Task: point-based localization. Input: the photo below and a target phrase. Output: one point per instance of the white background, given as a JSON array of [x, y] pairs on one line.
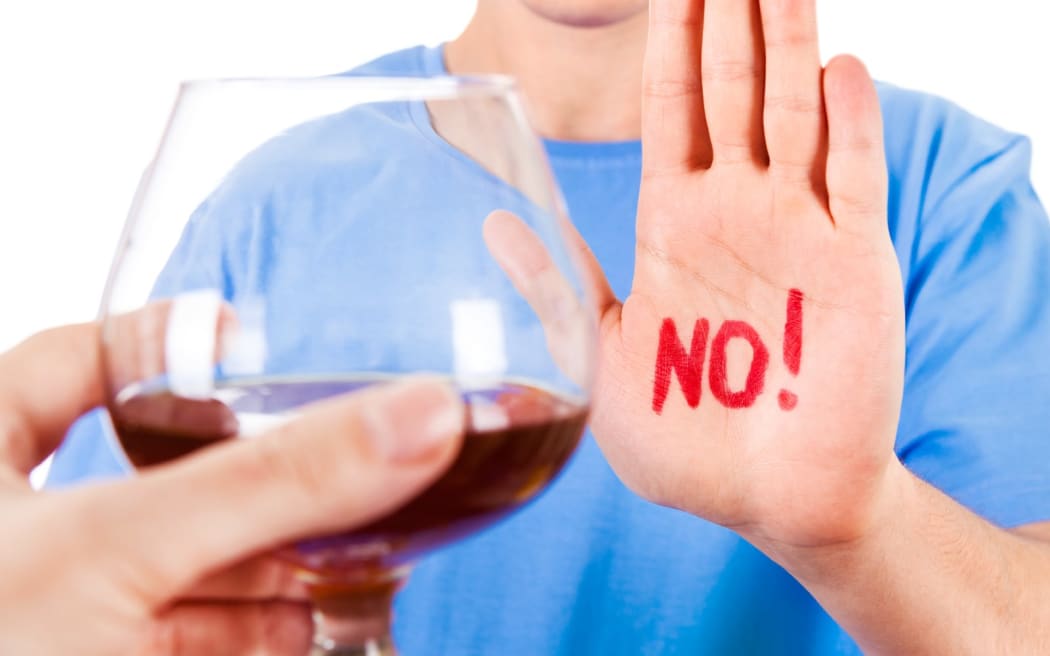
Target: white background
[[85, 87]]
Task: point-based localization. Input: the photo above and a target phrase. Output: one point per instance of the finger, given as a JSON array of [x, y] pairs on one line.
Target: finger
[[857, 178], [794, 108], [168, 336], [528, 258], [219, 629], [54, 377], [523, 256], [341, 463], [733, 79], [674, 131], [265, 578], [46, 382], [525, 259], [601, 294]]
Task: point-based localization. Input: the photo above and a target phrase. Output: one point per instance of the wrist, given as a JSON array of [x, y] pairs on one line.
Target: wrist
[[867, 533]]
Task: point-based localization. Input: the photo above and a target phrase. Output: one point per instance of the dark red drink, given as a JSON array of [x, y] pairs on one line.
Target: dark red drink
[[519, 437]]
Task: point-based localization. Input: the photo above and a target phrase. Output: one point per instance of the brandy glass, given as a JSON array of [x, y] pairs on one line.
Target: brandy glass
[[300, 239]]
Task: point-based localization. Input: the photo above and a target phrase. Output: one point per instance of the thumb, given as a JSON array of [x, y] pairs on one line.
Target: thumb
[[856, 167], [342, 463]]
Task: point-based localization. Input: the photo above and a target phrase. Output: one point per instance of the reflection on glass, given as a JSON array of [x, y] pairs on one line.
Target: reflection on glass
[[296, 240]]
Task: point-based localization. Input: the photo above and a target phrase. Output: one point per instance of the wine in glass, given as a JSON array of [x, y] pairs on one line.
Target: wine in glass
[[301, 239]]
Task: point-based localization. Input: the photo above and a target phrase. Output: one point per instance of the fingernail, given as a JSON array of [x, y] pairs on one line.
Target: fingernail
[[410, 421]]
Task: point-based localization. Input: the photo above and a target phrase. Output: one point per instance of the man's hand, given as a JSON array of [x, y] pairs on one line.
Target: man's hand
[[753, 376], [169, 562]]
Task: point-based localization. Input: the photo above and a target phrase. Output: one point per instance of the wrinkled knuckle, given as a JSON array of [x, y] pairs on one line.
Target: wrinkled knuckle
[[794, 104], [676, 15], [730, 71], [856, 145], [667, 20], [265, 624], [280, 578], [281, 628], [733, 153], [847, 204], [671, 89], [793, 36], [306, 472], [795, 174], [15, 437], [163, 637], [788, 9]]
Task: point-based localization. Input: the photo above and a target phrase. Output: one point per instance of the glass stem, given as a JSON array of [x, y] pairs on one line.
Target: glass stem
[[354, 619]]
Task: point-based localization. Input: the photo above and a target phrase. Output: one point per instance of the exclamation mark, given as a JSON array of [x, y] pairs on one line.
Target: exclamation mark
[[792, 346]]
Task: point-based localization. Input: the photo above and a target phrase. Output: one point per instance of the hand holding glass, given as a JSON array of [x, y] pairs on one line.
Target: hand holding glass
[[305, 239]]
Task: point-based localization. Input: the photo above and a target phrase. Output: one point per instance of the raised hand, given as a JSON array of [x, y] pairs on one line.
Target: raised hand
[[753, 376], [767, 300]]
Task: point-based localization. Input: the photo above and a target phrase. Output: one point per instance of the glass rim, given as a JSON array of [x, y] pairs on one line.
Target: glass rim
[[439, 86]]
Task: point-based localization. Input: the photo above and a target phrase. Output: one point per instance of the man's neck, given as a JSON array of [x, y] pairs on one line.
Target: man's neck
[[580, 84]]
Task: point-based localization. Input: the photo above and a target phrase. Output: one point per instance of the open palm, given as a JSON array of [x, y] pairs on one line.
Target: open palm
[[753, 377]]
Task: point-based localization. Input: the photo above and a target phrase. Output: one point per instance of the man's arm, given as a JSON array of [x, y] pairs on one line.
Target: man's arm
[[767, 227], [762, 224], [931, 577]]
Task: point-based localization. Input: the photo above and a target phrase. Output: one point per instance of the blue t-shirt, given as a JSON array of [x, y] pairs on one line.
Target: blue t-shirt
[[589, 568]]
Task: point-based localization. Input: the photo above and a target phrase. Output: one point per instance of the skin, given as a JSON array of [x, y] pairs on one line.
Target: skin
[[762, 172], [168, 562]]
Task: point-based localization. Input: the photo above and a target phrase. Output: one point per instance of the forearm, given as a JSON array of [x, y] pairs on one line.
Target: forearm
[[931, 578]]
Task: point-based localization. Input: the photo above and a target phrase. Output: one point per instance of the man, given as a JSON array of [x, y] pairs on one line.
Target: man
[[855, 502]]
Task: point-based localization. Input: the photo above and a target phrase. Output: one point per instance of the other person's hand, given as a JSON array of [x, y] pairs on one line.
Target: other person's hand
[[172, 561]]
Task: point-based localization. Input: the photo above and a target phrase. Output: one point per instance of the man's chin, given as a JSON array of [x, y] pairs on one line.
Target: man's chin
[[587, 13]]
